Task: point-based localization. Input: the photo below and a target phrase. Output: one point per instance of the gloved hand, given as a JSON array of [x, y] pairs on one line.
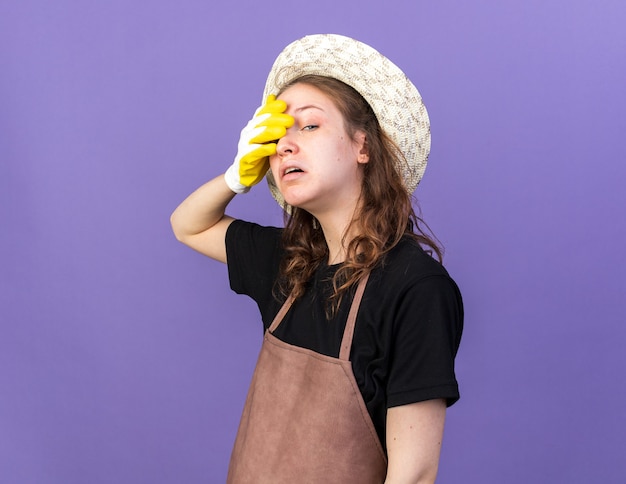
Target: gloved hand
[[256, 143]]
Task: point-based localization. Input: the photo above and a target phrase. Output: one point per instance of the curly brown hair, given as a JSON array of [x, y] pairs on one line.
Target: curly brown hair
[[385, 213]]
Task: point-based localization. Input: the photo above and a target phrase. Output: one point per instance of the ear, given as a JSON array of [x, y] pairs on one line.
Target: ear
[[361, 142]]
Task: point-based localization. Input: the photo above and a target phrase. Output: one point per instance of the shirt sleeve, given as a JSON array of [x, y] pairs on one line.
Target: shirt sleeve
[[253, 256], [426, 336]]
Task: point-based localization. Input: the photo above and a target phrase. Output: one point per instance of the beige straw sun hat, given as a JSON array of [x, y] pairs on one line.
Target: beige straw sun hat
[[392, 96]]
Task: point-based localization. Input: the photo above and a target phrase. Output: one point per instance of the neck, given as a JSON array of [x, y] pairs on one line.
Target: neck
[[338, 232], [338, 222]]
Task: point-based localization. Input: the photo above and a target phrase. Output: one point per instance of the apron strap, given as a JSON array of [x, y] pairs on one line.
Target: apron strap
[[348, 333], [281, 314], [346, 342]]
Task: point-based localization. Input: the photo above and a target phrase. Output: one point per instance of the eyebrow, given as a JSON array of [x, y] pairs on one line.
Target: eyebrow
[[308, 106]]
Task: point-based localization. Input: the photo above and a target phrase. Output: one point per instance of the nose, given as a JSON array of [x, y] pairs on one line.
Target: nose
[[286, 145]]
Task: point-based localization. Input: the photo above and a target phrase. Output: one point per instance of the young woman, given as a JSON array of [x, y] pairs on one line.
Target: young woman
[[362, 324]]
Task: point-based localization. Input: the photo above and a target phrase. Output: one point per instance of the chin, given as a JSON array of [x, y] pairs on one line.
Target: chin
[[298, 200], [296, 204]]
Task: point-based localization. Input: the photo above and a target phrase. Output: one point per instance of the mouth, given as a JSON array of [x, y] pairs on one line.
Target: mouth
[[292, 170]]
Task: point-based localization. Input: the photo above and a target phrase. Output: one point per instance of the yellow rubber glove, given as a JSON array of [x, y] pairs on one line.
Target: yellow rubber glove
[[256, 143]]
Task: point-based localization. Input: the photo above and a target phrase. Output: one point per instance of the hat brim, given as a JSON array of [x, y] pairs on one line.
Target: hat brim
[[394, 99]]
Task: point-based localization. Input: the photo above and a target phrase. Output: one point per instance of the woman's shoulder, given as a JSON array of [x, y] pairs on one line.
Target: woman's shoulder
[[245, 239], [411, 261], [239, 226], [410, 275], [243, 233], [408, 270]]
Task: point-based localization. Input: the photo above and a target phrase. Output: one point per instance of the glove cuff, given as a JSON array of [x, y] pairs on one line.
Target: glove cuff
[[232, 180]]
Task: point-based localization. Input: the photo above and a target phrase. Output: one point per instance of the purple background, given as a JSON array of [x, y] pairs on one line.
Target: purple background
[[124, 356]]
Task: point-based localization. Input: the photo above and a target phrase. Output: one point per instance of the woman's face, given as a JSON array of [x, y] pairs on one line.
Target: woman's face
[[317, 166]]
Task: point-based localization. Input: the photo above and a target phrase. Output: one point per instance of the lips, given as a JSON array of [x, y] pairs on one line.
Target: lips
[[291, 171]]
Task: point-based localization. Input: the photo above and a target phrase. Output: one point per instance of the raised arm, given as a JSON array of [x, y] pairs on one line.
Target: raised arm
[[199, 221]]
